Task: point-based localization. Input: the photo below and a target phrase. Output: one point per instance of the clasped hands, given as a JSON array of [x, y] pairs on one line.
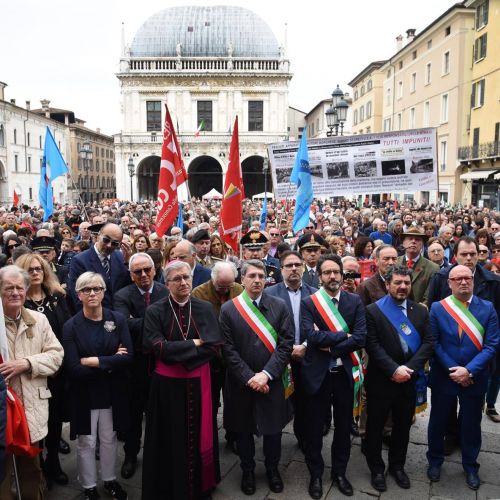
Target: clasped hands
[[402, 374], [461, 376], [259, 383]]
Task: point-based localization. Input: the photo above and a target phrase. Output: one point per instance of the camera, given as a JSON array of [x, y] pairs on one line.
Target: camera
[[351, 276]]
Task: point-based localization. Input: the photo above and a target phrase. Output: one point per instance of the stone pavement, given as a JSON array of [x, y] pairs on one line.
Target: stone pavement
[[296, 477]]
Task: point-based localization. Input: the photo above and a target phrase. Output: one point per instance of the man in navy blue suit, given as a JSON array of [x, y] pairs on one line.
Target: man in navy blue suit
[[292, 290], [334, 325], [186, 251], [103, 258], [465, 329]]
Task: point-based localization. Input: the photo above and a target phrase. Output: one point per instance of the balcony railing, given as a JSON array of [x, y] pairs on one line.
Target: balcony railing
[[201, 64], [203, 138], [483, 151]]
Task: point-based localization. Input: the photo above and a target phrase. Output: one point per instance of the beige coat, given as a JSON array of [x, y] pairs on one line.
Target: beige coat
[[36, 342]]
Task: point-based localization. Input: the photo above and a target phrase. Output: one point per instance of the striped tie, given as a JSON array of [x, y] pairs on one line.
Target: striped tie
[[105, 265]]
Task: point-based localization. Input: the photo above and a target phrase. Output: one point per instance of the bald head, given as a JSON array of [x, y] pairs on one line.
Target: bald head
[[461, 282]]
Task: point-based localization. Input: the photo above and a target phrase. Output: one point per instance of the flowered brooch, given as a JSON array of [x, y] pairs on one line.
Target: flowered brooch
[[109, 326]]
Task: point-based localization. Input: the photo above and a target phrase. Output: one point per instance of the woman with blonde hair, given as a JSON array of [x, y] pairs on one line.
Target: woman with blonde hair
[[48, 297], [168, 253]]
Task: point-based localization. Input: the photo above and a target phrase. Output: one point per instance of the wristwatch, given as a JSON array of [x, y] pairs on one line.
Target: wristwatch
[[470, 374]]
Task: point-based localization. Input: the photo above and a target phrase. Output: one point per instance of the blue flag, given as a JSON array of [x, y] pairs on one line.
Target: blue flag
[[263, 214], [53, 166], [179, 219], [301, 175]]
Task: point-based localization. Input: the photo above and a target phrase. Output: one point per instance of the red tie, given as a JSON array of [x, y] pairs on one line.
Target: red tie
[[147, 298], [409, 264]]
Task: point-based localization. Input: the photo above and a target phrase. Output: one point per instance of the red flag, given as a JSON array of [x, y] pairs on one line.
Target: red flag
[[168, 203], [180, 171], [231, 215], [15, 199]]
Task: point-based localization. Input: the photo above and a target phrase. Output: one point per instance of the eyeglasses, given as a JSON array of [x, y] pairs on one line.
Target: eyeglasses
[[14, 246], [179, 279], [107, 240], [467, 279], [330, 272], [65, 231], [309, 227], [145, 270], [192, 222], [290, 265], [132, 227], [89, 289], [33, 270], [274, 234], [483, 251]]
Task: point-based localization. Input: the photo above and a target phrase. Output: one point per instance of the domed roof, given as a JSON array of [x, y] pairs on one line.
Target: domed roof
[[213, 31]]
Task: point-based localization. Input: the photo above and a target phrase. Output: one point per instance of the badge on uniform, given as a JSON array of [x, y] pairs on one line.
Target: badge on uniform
[[405, 328]]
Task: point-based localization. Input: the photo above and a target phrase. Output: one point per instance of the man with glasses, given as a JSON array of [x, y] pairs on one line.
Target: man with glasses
[[259, 336], [292, 290], [465, 329], [334, 325], [132, 301], [274, 241], [435, 253], [103, 258]]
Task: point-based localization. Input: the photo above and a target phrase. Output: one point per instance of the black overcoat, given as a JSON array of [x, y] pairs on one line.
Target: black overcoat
[[246, 410]]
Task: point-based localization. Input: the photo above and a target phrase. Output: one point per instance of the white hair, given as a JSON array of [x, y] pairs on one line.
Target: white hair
[[136, 256], [223, 266]]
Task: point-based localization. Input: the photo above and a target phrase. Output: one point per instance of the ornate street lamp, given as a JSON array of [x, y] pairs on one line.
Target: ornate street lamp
[[131, 172], [336, 114], [86, 157]]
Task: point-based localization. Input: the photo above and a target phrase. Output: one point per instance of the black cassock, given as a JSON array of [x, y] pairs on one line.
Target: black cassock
[[173, 466]]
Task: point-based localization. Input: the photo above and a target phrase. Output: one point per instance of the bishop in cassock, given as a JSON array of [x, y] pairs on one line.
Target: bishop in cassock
[[180, 447]]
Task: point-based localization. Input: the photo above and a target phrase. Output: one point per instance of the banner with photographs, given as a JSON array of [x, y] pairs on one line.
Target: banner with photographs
[[390, 162]]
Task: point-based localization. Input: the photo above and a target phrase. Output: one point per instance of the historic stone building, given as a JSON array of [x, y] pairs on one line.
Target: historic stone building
[[209, 65]]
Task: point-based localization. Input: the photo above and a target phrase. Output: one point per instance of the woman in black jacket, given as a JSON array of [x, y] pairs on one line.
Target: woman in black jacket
[[47, 296], [98, 351]]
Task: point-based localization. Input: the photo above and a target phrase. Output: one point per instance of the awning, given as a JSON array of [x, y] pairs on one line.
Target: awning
[[477, 174]]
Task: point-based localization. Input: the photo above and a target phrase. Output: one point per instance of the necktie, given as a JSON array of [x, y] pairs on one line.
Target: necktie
[[335, 302], [147, 298], [254, 302], [105, 265], [312, 273], [409, 264]]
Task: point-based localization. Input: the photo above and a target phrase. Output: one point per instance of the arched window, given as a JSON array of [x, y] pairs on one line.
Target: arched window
[[368, 109], [15, 136], [91, 183], [2, 136], [355, 95], [362, 90], [97, 167]]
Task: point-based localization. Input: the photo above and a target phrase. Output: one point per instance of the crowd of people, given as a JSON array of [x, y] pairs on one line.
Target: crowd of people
[[109, 326]]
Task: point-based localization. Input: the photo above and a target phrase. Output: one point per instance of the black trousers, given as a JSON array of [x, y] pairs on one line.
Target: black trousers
[[139, 390], [246, 450], [298, 399], [381, 401], [336, 389], [56, 416]]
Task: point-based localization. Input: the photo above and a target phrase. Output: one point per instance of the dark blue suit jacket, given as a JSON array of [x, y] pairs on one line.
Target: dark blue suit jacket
[[201, 275], [89, 261], [316, 362], [451, 350], [279, 290]]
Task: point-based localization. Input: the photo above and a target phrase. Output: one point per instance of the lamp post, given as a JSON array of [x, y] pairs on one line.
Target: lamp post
[[86, 157], [336, 114], [131, 172]]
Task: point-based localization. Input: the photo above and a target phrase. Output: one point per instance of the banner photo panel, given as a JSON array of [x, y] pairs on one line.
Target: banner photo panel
[[389, 162]]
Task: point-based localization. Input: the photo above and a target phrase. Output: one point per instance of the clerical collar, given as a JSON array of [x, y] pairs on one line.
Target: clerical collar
[[181, 304]]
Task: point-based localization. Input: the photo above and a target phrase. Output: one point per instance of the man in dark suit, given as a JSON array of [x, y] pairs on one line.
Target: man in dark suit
[[292, 290], [132, 302], [104, 259], [399, 342], [186, 251], [309, 246], [259, 335], [465, 330], [334, 325]]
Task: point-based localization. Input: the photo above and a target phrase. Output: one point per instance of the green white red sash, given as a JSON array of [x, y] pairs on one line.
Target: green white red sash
[[465, 319], [336, 323], [264, 330]]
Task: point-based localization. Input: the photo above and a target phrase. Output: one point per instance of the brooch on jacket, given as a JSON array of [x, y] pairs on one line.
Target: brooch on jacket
[[109, 326]]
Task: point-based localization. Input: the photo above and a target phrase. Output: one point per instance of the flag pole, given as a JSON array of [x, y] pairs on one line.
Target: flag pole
[[79, 194]]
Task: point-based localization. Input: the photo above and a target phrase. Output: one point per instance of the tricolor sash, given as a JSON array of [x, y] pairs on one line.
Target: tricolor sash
[[465, 319], [336, 323], [264, 330]]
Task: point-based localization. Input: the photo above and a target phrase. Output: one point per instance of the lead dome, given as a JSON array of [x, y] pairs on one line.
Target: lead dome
[[205, 32]]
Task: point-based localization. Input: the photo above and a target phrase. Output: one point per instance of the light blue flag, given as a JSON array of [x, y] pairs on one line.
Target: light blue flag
[[263, 214], [179, 219], [53, 166], [301, 175]]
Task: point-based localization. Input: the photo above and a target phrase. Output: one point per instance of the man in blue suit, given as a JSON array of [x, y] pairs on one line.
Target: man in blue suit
[[292, 290], [186, 251], [465, 329], [103, 258], [334, 325]]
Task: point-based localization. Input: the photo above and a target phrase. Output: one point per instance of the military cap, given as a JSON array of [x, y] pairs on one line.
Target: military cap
[[43, 244], [311, 240], [254, 240], [95, 228], [200, 235]]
